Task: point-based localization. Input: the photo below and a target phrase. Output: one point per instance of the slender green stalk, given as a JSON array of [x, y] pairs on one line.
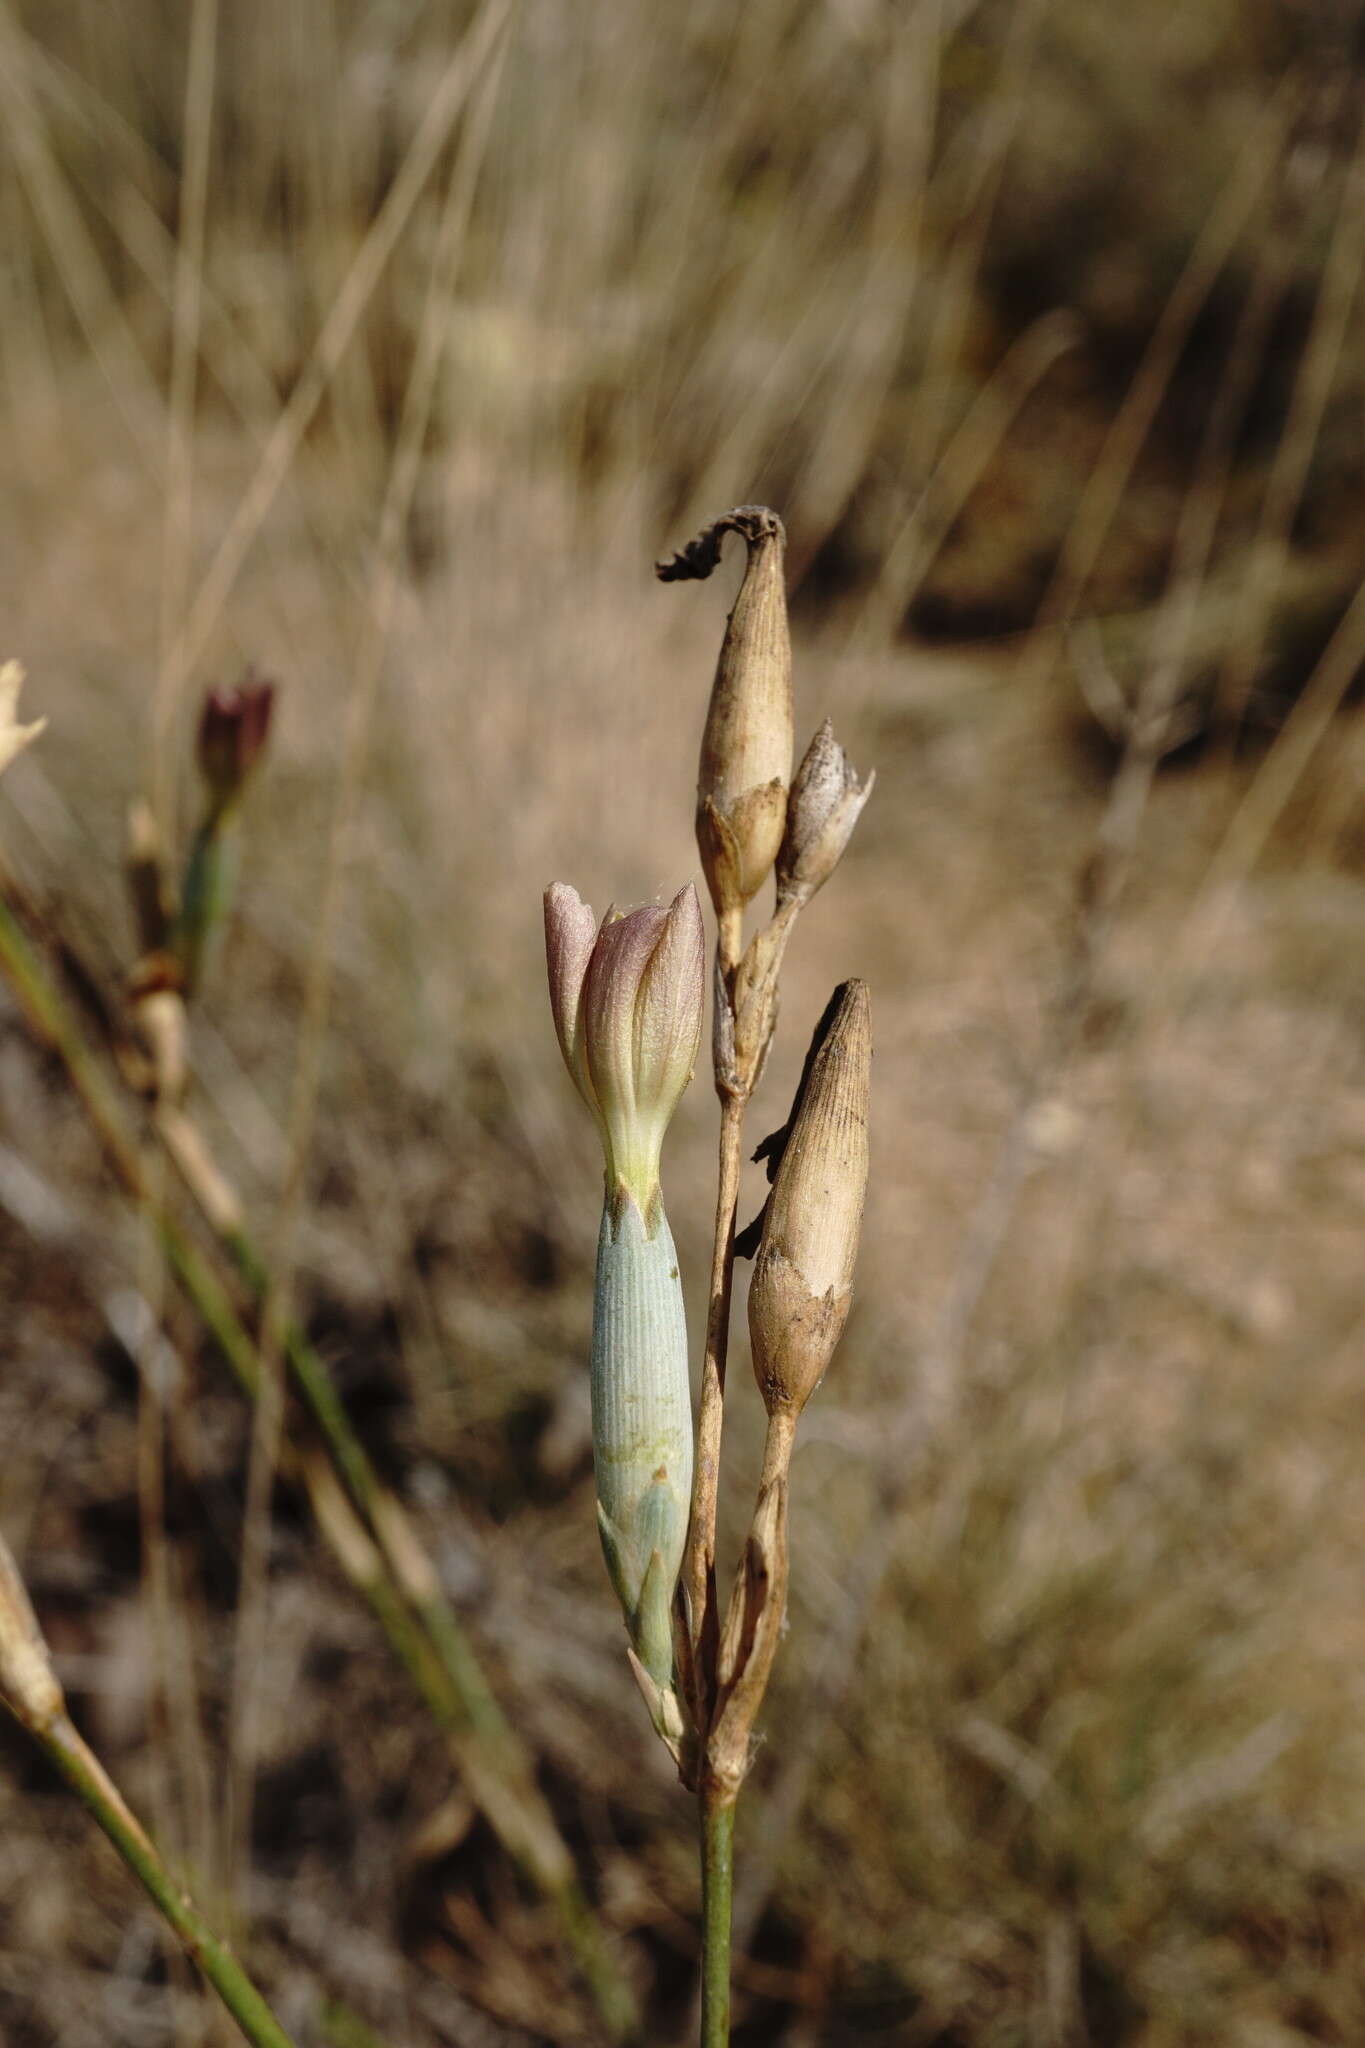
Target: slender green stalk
[[86, 1775], [717, 1886]]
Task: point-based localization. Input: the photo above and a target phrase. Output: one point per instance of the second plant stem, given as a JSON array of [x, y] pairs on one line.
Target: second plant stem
[[86, 1775]]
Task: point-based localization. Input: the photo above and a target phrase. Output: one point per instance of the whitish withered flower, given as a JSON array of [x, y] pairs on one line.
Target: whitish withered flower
[[803, 1275], [746, 749], [824, 806], [13, 736], [627, 1002]]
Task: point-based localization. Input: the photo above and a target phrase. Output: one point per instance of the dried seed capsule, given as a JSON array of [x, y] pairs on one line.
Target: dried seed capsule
[[824, 806], [746, 750], [803, 1276]]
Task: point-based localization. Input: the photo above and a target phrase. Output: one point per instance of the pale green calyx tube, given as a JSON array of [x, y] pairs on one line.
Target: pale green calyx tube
[[641, 1424], [627, 1004]]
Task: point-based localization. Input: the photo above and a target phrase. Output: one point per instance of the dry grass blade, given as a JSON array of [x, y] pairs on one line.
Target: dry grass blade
[[447, 104]]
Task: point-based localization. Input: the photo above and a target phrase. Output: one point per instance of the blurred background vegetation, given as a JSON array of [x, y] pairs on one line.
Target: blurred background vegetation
[[383, 344]]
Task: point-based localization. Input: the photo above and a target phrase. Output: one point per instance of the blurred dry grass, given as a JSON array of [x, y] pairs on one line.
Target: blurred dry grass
[[1065, 1745]]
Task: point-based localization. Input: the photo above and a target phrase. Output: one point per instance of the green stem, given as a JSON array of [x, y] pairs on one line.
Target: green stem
[[88, 1779], [207, 890], [717, 1886]]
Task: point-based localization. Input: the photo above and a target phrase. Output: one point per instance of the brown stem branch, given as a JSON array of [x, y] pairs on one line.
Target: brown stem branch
[[700, 1563]]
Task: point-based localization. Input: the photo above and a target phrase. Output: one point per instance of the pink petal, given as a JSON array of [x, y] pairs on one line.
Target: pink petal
[[570, 929]]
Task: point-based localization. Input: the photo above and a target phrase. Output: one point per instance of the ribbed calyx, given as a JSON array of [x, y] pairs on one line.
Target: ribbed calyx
[[627, 1002], [641, 1424], [803, 1275]]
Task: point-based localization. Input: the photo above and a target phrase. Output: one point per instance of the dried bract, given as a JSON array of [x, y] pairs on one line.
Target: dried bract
[[825, 803], [803, 1276]]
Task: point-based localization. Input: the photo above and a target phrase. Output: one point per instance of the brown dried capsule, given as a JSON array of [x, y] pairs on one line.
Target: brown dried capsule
[[746, 749], [803, 1276], [824, 806]]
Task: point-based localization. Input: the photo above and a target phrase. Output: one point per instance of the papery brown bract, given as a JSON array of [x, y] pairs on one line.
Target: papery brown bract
[[824, 805], [803, 1275]]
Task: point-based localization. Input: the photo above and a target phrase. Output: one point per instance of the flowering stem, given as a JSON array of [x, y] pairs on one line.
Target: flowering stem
[[701, 1551], [717, 1884]]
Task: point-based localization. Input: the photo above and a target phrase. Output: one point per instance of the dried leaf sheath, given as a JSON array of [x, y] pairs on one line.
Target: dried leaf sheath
[[803, 1276]]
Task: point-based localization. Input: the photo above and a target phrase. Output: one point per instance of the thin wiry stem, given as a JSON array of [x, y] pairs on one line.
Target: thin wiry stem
[[66, 1749]]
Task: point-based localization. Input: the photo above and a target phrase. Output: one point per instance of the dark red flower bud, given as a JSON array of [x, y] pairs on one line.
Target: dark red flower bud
[[232, 735]]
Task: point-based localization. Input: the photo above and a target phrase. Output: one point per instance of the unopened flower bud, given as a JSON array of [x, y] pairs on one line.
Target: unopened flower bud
[[746, 750], [803, 1276], [233, 729], [627, 1002], [13, 736], [825, 802]]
